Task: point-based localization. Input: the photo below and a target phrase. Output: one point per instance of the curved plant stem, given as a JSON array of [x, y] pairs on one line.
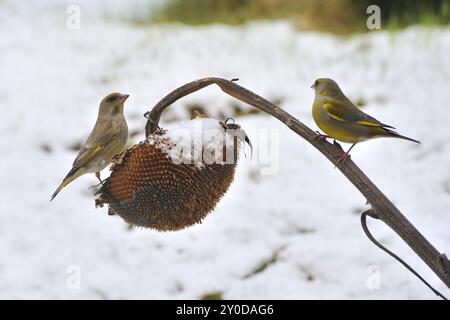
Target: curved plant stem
[[382, 207]]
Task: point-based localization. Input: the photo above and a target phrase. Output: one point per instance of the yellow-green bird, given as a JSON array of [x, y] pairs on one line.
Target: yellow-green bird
[[107, 139], [341, 120]]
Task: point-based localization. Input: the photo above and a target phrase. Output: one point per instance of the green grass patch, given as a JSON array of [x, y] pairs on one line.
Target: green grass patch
[[336, 16], [215, 295]]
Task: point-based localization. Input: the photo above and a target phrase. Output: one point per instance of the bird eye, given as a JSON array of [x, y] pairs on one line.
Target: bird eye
[[113, 99], [316, 83]]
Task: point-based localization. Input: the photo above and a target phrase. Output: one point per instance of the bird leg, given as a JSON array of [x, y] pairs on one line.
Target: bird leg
[[97, 174], [345, 156], [320, 136]]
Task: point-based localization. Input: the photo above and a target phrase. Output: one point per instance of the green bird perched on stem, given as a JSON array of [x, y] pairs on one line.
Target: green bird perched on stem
[[107, 139], [341, 120]]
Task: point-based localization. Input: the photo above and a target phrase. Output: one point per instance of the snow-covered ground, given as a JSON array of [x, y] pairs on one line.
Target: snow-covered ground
[[291, 234]]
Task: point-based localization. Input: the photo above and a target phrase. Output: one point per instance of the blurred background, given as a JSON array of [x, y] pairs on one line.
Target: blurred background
[[293, 234]]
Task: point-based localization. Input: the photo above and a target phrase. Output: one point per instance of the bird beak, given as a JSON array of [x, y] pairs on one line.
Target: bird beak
[[124, 97], [312, 87]]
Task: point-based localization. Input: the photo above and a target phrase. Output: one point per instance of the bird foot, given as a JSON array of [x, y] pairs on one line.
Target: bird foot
[[342, 158], [98, 184], [97, 175]]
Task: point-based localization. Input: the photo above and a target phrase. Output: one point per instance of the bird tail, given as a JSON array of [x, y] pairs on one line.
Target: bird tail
[[394, 134], [72, 175]]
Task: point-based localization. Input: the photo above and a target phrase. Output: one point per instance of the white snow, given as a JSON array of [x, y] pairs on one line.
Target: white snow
[[305, 214], [198, 141]]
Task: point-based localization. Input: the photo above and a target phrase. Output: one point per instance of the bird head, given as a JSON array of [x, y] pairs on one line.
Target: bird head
[[112, 104], [326, 86]]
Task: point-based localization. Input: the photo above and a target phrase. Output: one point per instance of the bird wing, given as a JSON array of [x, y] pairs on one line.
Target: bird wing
[[87, 153], [347, 112]]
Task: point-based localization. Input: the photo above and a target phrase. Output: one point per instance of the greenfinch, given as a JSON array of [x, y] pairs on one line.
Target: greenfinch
[[341, 120], [107, 139]]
